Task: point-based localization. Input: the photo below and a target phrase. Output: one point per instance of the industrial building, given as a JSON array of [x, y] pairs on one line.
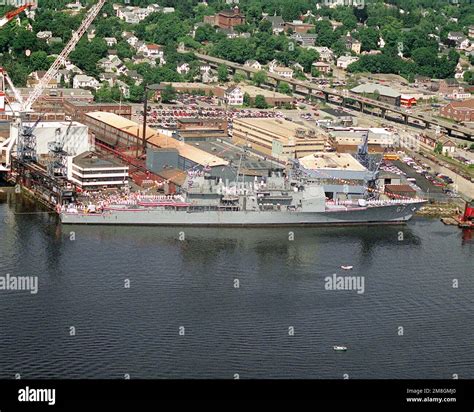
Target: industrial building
[[73, 135], [201, 129], [50, 106], [342, 176], [121, 134], [76, 109], [378, 92], [279, 138], [347, 139], [272, 98]]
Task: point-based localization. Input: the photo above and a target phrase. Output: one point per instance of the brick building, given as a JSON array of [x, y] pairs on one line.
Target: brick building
[[462, 111], [226, 19]]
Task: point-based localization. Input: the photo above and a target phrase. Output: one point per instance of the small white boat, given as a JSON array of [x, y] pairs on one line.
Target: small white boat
[[340, 348], [347, 267]]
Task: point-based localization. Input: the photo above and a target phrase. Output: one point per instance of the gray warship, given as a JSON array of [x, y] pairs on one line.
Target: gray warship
[[278, 200]]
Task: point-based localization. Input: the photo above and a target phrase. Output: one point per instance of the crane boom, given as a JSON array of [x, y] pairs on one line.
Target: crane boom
[[52, 71], [17, 95], [11, 14]]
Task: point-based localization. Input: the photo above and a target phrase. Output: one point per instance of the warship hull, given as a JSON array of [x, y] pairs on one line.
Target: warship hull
[[384, 214]]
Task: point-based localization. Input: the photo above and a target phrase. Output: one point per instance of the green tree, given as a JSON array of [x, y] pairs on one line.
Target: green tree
[[39, 61], [204, 33], [260, 102], [469, 77], [339, 47], [103, 94], [247, 101], [168, 94], [284, 88], [306, 58], [222, 73], [265, 26], [260, 77]]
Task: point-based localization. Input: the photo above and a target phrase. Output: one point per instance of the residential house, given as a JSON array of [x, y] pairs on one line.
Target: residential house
[[234, 96], [82, 81], [34, 78], [278, 24], [91, 33], [109, 78], [230, 33], [344, 61], [305, 39], [76, 6], [111, 41], [447, 145], [44, 35], [124, 88], [322, 67], [325, 54], [459, 74], [204, 68], [297, 26], [352, 43], [130, 38], [64, 76], [455, 35], [281, 71], [208, 77], [135, 76], [463, 43], [254, 64], [297, 67], [183, 68], [153, 51], [106, 65], [140, 58], [132, 15], [335, 24]]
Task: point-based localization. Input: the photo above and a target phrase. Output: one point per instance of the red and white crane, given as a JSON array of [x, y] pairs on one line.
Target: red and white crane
[[26, 105], [12, 14]]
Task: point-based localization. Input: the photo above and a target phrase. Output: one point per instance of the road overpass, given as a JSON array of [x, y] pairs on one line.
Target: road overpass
[[345, 97]]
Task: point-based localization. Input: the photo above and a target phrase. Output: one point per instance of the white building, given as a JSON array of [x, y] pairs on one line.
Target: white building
[[111, 41], [82, 81], [74, 135], [44, 35], [254, 64], [130, 38], [344, 61], [183, 68], [281, 71], [325, 54], [89, 171], [153, 51], [234, 96]]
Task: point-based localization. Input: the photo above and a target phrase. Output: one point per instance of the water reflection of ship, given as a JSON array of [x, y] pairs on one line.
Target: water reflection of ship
[[202, 245]]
